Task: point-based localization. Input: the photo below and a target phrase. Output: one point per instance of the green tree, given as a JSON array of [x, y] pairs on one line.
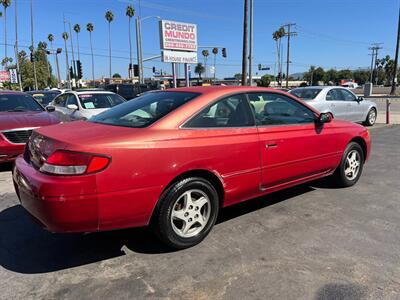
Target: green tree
[[331, 77], [130, 12], [117, 75], [205, 54], [361, 76], [277, 36], [199, 69], [109, 17], [265, 80], [315, 75], [90, 28], [6, 4]]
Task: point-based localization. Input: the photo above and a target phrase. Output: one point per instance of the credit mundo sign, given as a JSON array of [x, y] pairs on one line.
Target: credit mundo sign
[[178, 36]]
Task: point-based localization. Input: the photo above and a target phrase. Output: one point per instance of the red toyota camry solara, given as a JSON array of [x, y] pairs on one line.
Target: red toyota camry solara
[[171, 159]]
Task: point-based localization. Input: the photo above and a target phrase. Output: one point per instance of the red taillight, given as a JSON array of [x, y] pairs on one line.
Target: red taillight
[[63, 162]]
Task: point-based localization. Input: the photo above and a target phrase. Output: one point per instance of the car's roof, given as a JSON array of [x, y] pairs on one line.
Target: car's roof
[[222, 89], [12, 93], [90, 92], [321, 87], [44, 92]]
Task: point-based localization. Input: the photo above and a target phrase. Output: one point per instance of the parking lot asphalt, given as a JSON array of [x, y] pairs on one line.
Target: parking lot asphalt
[[308, 242]]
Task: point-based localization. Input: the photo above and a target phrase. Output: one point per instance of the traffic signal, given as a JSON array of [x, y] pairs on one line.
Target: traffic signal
[[259, 67], [32, 57], [71, 73], [135, 70], [154, 69], [79, 66], [223, 52], [59, 50]]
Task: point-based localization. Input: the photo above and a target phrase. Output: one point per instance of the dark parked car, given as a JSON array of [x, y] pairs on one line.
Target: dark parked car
[[44, 97], [128, 91]]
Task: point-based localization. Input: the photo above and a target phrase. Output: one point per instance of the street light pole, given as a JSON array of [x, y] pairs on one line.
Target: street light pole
[[16, 46], [33, 47], [396, 59], [251, 45], [245, 41]]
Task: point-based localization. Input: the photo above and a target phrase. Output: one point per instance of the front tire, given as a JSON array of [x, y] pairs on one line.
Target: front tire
[[351, 166], [186, 213], [371, 117]]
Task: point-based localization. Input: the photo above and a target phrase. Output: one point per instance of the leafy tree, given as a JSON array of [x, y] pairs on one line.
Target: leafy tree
[[117, 75], [6, 4], [361, 76], [265, 80], [314, 75], [199, 69], [77, 29], [331, 77]]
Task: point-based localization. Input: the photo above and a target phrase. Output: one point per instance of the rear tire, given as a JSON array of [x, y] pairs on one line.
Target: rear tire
[[371, 117], [351, 166], [186, 213]]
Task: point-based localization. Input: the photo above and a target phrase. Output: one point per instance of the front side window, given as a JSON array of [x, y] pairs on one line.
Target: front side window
[[95, 101], [144, 110], [60, 100], [232, 111], [279, 109], [71, 100], [18, 103]]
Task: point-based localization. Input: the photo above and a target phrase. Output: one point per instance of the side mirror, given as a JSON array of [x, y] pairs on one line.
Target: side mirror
[[324, 118], [359, 99], [72, 106], [50, 108]]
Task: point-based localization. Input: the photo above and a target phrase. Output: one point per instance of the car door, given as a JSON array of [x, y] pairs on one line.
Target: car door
[[59, 105], [354, 108], [337, 104], [228, 142], [73, 114], [293, 146]]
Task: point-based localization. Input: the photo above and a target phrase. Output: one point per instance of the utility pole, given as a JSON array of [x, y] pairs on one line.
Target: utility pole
[[33, 47], [251, 45], [375, 49], [72, 48], [245, 40], [16, 46], [289, 34], [396, 59]]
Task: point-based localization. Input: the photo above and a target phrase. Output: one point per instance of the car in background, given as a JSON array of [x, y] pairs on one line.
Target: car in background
[[171, 159], [19, 115], [339, 102], [128, 91], [44, 97], [82, 105]]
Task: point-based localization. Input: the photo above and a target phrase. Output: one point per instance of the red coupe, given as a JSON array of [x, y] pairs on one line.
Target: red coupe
[[19, 115], [171, 159]]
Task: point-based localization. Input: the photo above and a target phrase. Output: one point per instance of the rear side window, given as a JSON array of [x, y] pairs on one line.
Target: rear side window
[[144, 110], [93, 101], [306, 94], [233, 111]]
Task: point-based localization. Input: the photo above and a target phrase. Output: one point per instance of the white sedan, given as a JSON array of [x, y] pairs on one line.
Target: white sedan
[[339, 102], [82, 105]]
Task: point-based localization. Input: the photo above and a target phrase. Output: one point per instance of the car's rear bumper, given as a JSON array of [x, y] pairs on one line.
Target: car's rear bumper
[[72, 203]]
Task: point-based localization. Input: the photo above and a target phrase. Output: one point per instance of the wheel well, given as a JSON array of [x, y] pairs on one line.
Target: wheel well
[[362, 144], [207, 175]]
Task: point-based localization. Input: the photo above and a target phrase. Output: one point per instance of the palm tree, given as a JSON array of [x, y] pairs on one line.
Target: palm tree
[[205, 53], [277, 36], [6, 4], [77, 29], [199, 69], [130, 12], [215, 52], [109, 18], [90, 28], [65, 38]]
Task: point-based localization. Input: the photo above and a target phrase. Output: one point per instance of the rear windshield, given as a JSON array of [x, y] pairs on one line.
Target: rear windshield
[[20, 102], [44, 98], [306, 94], [93, 101], [144, 110]]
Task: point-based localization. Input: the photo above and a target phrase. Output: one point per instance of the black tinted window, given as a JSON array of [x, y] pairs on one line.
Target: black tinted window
[[144, 110], [60, 100], [233, 111], [20, 102], [277, 109], [97, 100]]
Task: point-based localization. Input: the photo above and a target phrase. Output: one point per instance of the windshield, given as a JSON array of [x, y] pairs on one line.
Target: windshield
[[144, 110], [93, 101], [18, 102], [44, 98], [306, 94]]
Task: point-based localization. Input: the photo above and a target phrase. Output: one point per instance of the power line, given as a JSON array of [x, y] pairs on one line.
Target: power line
[[374, 57]]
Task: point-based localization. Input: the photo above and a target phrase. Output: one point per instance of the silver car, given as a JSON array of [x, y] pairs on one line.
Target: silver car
[[72, 105], [339, 102]]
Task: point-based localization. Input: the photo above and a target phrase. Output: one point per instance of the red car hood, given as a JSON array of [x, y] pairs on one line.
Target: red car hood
[[14, 120]]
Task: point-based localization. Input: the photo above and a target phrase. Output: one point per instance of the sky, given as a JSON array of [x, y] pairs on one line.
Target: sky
[[330, 33]]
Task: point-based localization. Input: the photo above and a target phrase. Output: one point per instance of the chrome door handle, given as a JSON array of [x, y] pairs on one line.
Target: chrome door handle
[[271, 145]]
